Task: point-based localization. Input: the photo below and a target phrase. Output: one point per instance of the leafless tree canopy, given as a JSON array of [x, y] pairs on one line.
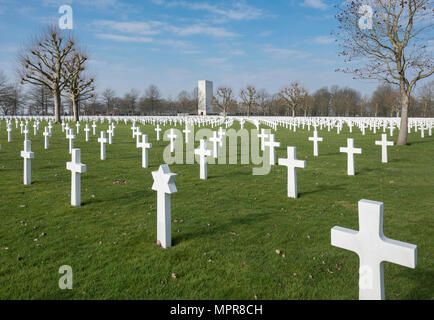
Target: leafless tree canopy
[[394, 50], [224, 100], [43, 62]]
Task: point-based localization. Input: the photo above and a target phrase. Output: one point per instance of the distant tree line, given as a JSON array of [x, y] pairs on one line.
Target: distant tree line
[[293, 100]]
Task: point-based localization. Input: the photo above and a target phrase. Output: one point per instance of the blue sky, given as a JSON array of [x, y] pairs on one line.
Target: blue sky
[[174, 43]]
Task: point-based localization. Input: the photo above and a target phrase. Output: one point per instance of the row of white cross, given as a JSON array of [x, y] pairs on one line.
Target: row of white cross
[[369, 243]]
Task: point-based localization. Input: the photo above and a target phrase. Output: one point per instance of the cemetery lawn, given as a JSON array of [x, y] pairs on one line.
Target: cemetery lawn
[[225, 231]]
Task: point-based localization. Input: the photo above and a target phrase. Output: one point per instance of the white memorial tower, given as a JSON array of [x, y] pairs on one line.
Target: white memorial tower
[[205, 94]]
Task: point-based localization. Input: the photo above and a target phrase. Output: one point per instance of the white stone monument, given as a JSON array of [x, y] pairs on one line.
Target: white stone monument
[[205, 94]]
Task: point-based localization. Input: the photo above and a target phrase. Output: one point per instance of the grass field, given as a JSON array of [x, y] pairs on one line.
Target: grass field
[[225, 231]]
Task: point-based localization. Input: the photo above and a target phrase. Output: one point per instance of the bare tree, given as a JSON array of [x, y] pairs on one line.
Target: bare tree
[[42, 63], [151, 101], [108, 98], [78, 86], [392, 49], [306, 103], [426, 97], [223, 99], [291, 97], [321, 103], [249, 97]]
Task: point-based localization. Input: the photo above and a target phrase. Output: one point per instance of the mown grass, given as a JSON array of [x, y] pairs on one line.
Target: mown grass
[[225, 230]]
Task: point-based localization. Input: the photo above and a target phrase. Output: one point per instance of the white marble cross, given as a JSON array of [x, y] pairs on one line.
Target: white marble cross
[[384, 143], [77, 125], [145, 146], [63, 126], [203, 152], [373, 248], [110, 134], [35, 128], [9, 130], [27, 155], [262, 136], [50, 127], [26, 133], [158, 129], [292, 163], [164, 184], [315, 140], [350, 150], [221, 133], [86, 130], [187, 132], [76, 168], [215, 143], [172, 136], [102, 141], [272, 144], [137, 134], [93, 128], [70, 136], [46, 134]]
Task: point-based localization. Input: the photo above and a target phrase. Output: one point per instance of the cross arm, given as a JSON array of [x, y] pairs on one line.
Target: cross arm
[[344, 238], [401, 253]]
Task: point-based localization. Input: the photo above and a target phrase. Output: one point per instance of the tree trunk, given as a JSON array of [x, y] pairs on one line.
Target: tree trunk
[[57, 102], [75, 109], [402, 137]]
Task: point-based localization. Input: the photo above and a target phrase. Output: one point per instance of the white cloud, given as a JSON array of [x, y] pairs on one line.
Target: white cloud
[[316, 4], [238, 11], [122, 38], [323, 40], [286, 53], [201, 29], [213, 60], [136, 27]]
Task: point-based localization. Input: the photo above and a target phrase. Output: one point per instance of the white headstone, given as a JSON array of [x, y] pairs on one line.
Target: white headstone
[[102, 141], [145, 146], [27, 154], [164, 184], [350, 150], [86, 130], [373, 248], [315, 140], [384, 143], [272, 144], [292, 163], [203, 152], [76, 168], [172, 136], [46, 134]]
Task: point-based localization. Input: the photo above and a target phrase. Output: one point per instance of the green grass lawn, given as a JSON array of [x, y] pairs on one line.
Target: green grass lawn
[[225, 231]]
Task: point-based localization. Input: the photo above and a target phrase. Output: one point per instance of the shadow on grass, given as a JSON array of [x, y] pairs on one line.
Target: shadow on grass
[[220, 229], [323, 188]]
